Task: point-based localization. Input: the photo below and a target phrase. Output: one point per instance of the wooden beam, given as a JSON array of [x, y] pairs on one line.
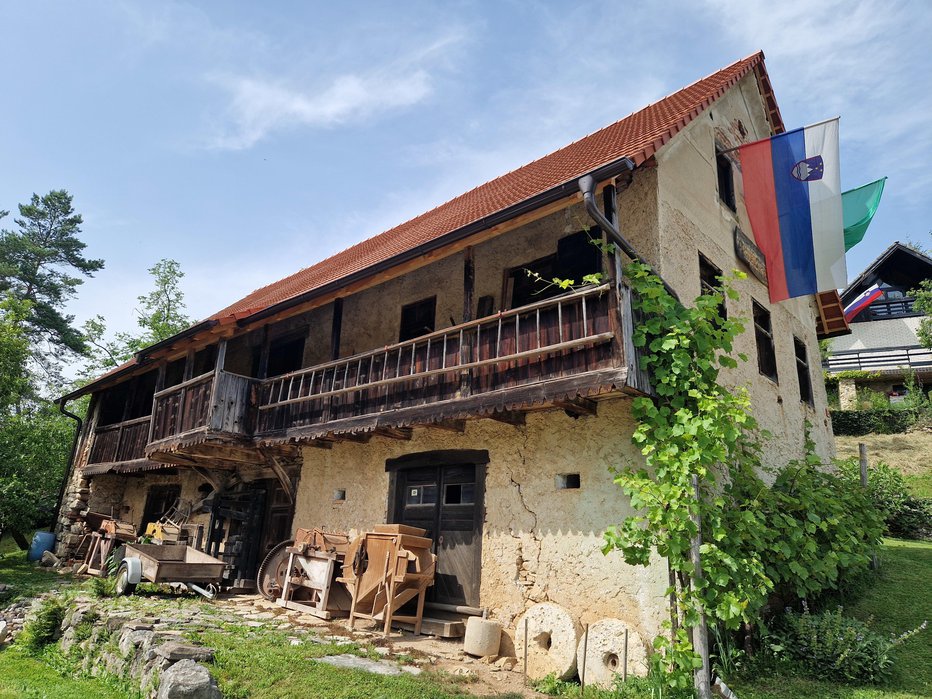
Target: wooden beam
[[448, 425], [319, 444], [578, 406], [394, 432], [509, 417], [357, 437], [282, 475]]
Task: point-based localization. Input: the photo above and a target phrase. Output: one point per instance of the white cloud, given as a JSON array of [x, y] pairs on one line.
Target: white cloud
[[259, 107]]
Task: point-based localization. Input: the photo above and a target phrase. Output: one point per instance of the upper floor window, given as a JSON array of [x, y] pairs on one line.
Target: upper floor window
[[710, 282], [802, 371], [286, 354], [726, 180], [763, 335], [418, 319], [576, 257]]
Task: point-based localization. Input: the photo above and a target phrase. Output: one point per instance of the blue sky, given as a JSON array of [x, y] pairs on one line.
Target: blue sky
[[250, 139]]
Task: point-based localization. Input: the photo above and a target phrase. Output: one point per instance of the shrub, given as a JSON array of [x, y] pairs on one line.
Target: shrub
[[816, 529], [830, 645], [43, 628], [855, 423], [904, 515], [913, 520]]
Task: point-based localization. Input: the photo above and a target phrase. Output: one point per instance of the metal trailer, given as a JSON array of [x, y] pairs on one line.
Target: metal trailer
[[169, 564]]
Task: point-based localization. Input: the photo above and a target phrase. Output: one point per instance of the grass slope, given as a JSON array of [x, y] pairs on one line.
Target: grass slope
[[900, 599], [910, 454]]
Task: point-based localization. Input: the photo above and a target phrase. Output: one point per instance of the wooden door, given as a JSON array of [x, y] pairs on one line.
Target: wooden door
[[447, 502]]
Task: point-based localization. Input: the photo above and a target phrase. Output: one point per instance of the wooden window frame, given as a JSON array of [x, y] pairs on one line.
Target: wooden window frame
[[803, 375], [725, 176], [763, 338]]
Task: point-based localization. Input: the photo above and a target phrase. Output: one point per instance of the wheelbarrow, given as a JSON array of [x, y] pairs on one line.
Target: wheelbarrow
[[169, 564]]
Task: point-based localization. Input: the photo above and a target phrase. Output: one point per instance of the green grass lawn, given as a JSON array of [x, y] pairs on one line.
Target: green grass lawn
[[900, 599]]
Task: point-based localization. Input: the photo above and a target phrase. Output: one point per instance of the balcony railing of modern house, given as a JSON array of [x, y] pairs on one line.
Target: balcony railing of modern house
[[881, 359], [543, 353]]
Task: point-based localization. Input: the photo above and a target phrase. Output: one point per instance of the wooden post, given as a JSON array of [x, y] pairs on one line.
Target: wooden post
[[862, 457], [525, 648], [582, 671], [701, 632], [336, 329], [469, 287]]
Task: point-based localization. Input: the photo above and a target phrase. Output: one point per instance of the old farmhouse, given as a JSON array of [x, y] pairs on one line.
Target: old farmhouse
[[421, 377]]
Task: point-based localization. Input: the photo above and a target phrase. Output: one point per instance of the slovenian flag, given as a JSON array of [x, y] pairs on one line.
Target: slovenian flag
[[862, 302], [792, 192]]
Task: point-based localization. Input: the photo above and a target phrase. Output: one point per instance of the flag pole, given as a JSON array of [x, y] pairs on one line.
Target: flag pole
[[808, 126]]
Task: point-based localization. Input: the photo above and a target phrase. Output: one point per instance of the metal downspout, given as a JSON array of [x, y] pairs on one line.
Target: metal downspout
[[587, 187], [70, 470]]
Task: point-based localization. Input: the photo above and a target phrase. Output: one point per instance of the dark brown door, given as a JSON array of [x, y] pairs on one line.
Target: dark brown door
[[447, 502]]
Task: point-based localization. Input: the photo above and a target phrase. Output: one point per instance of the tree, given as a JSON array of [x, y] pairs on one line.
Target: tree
[[160, 314], [43, 263], [923, 304]]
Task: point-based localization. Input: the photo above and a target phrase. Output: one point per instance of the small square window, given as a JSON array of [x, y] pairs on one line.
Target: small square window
[[459, 494], [568, 481], [421, 495], [802, 371], [763, 335], [726, 180], [339, 495]]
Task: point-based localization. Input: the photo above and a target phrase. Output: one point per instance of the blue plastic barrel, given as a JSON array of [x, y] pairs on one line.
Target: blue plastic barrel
[[41, 542]]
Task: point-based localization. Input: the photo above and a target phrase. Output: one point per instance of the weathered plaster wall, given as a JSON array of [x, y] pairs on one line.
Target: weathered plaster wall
[[538, 543], [133, 502], [693, 219]]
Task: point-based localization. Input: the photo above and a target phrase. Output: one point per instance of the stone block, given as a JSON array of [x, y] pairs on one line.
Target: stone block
[[173, 650], [187, 680]]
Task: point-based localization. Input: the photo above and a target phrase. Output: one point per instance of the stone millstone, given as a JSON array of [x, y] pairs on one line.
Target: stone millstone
[[605, 652], [552, 637], [483, 637]]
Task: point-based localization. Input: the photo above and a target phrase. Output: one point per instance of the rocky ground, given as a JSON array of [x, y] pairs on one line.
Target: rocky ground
[[157, 635]]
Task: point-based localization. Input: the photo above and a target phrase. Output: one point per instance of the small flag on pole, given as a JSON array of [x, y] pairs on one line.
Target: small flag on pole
[[862, 302], [859, 206], [792, 191]]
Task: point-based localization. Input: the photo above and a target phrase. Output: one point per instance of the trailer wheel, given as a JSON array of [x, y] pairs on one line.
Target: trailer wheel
[[123, 585]]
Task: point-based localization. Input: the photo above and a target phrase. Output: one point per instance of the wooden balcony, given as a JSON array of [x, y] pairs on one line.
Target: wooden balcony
[[547, 352], [123, 441], [217, 403], [559, 352]]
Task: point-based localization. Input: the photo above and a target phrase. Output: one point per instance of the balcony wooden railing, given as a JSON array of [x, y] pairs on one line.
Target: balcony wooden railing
[[552, 339], [218, 401], [882, 358], [124, 441], [883, 310]]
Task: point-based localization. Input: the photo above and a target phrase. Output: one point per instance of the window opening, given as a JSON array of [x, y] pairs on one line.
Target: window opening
[[726, 180], [142, 397], [568, 481], [421, 495], [802, 371], [710, 282], [763, 335], [576, 257], [174, 373], [204, 360], [459, 494], [417, 319], [285, 355]]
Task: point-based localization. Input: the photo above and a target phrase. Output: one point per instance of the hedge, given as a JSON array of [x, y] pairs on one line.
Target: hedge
[[855, 423]]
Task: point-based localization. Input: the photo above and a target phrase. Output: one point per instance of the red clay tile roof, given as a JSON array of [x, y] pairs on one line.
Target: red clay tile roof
[[637, 136]]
